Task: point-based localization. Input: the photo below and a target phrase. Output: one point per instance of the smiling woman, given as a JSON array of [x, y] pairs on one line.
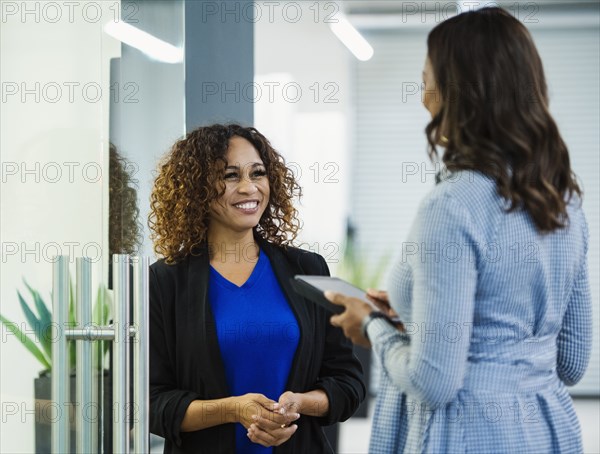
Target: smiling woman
[[234, 214], [246, 194], [238, 361], [198, 175]]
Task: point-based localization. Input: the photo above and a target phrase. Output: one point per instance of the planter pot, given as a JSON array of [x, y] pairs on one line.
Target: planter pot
[[44, 414]]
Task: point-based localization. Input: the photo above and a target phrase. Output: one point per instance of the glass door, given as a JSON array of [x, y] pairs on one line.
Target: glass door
[[86, 112]]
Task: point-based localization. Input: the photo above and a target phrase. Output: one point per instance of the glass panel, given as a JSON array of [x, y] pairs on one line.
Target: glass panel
[[84, 119], [54, 120], [146, 116]]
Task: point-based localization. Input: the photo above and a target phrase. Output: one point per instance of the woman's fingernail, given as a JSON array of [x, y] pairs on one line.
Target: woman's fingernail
[[297, 415], [282, 411], [255, 417]]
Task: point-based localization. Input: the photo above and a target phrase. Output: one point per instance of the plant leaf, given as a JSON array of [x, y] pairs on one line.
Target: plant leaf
[[358, 271], [100, 317], [42, 309], [97, 310], [38, 327], [106, 310], [72, 323], [30, 316], [380, 269], [27, 342], [45, 320]]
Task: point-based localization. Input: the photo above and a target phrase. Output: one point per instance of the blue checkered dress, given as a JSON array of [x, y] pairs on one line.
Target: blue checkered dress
[[498, 320]]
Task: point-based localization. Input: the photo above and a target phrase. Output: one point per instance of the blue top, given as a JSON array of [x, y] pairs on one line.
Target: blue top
[[498, 321], [258, 335]]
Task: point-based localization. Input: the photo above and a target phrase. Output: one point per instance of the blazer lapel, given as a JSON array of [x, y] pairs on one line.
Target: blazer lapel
[[204, 346], [284, 271]]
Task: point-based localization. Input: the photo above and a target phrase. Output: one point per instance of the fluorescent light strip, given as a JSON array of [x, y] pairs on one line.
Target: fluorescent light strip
[[144, 42], [351, 38]]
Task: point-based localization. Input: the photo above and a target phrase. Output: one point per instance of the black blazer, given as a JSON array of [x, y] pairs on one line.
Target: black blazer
[[185, 362]]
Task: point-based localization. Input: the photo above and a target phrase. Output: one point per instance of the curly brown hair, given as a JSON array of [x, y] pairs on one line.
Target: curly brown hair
[[495, 116], [190, 178], [124, 227]]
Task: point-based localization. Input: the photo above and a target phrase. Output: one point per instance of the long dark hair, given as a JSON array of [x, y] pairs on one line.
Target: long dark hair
[[494, 116]]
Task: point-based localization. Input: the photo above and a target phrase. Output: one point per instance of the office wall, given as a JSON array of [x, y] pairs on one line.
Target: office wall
[[302, 104]]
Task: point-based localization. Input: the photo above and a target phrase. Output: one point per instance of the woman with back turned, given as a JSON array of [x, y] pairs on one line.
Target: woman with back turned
[[495, 300]]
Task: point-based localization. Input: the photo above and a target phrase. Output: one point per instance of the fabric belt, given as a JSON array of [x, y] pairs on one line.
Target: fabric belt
[[514, 368]]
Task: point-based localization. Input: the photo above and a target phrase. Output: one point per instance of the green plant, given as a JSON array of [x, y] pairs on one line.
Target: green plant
[[40, 322], [358, 270]]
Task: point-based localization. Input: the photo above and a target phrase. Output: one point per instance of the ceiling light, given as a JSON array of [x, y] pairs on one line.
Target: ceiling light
[[150, 45], [351, 38]]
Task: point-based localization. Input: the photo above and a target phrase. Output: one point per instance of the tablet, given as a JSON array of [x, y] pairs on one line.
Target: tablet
[[314, 287]]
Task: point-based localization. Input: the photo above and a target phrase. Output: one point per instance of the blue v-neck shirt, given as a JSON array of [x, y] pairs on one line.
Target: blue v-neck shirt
[[258, 335]]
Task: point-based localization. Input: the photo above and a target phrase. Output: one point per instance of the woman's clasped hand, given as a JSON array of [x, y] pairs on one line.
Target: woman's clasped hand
[[266, 424]]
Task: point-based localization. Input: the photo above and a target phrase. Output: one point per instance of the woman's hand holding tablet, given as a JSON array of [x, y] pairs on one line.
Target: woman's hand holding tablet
[[314, 288]]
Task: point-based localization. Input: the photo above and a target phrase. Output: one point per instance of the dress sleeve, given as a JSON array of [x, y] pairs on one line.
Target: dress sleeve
[[167, 403], [341, 374], [429, 361], [574, 342]]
